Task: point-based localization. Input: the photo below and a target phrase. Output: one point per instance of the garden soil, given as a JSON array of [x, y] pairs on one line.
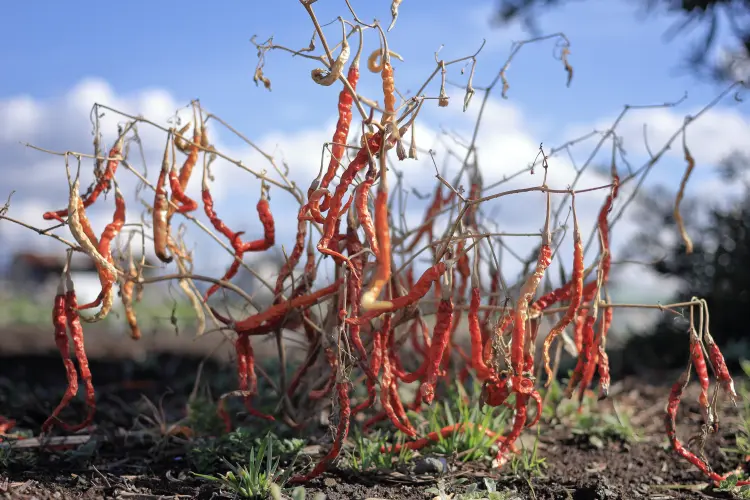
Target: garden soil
[[122, 463]]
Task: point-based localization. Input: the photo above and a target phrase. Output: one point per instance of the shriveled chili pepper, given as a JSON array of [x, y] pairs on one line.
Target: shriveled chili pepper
[[342, 126], [389, 89], [442, 434], [387, 395], [294, 257], [361, 194], [240, 247], [160, 211], [186, 204], [584, 356], [521, 313], [59, 321], [76, 335], [107, 280], [376, 361], [477, 361], [420, 289], [179, 183], [670, 424], [342, 430], [383, 270], [519, 422], [440, 339], [126, 295], [333, 363], [261, 322], [102, 183], [576, 294], [246, 374], [429, 219], [701, 370], [334, 208], [720, 366]]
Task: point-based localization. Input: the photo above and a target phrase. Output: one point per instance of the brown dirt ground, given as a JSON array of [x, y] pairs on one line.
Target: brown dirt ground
[[31, 384]]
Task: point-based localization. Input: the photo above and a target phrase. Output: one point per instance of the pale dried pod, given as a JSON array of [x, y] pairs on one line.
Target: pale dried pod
[[328, 77]]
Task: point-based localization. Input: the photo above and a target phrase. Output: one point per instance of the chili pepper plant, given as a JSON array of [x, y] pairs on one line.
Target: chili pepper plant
[[403, 297]]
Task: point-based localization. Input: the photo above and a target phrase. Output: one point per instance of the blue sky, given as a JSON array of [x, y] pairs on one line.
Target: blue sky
[[153, 57]]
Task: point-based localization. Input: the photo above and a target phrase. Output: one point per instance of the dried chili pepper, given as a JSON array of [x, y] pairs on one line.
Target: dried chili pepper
[[246, 374], [576, 294], [361, 194], [440, 339], [59, 321], [102, 183], [179, 183], [126, 295], [160, 211], [342, 126], [519, 422], [670, 417], [720, 366], [264, 321], [342, 430], [387, 394], [419, 290], [521, 314], [107, 280], [332, 218], [383, 270], [240, 247], [584, 357], [701, 370], [76, 334]]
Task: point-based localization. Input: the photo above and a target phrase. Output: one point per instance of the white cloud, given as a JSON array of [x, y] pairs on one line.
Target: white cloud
[[506, 144]]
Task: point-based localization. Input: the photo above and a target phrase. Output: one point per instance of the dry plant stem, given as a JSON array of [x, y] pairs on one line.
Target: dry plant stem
[[642, 172], [676, 212], [238, 163]]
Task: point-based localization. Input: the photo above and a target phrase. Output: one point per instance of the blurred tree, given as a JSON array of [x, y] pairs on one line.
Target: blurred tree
[[716, 17], [717, 270]]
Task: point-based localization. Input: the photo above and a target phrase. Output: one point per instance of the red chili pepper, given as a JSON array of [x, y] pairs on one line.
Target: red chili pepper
[[584, 353], [179, 183], [334, 209], [419, 290], [444, 433], [246, 374], [477, 363], [361, 194], [720, 367], [260, 323], [576, 295], [521, 313], [342, 430], [59, 321], [696, 354], [76, 334], [519, 421], [670, 425], [240, 247], [105, 243], [440, 339], [101, 185]]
